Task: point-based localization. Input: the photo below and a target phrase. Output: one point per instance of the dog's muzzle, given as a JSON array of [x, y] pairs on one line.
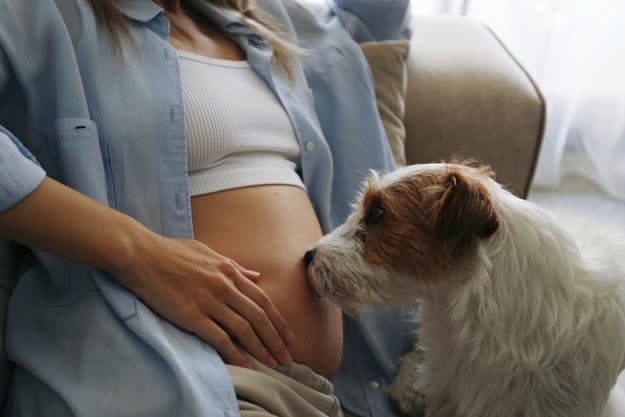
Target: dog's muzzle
[[309, 256]]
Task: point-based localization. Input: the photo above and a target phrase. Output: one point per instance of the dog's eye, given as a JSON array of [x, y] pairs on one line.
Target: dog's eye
[[375, 213]]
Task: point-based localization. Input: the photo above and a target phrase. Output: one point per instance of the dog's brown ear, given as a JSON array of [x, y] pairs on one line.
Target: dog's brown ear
[[464, 211]]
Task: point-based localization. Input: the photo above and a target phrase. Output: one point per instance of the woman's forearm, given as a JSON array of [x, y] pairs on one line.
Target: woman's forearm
[[61, 221]]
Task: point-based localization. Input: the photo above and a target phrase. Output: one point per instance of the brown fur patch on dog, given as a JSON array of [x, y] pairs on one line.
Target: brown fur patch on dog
[[478, 167], [429, 217], [403, 239], [465, 210]]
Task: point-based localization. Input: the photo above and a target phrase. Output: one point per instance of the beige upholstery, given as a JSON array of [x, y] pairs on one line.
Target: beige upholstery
[[388, 62], [465, 94], [468, 95]]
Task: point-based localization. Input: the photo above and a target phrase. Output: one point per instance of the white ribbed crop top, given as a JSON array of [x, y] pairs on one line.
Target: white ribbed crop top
[[238, 133]]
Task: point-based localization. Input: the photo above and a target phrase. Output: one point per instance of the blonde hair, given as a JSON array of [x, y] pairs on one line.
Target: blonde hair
[[282, 43]]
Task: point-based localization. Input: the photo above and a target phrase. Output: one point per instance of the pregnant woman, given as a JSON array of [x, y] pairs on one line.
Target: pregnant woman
[[169, 163]]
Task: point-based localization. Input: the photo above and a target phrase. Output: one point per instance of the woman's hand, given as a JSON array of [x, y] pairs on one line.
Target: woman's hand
[[210, 295]]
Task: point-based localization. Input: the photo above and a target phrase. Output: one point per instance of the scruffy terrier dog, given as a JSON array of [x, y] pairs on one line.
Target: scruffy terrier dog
[[516, 319]]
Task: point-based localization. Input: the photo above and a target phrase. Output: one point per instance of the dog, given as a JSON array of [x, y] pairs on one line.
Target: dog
[[516, 320]]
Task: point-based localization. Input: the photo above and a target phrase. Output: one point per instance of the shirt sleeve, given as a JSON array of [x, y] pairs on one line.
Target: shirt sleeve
[[374, 20], [20, 173]]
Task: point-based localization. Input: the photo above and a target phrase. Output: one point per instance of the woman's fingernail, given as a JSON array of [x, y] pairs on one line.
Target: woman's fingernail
[[271, 362], [290, 337], [285, 357], [253, 276]]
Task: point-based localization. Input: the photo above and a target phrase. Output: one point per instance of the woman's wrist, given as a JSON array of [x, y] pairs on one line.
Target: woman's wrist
[[124, 244]]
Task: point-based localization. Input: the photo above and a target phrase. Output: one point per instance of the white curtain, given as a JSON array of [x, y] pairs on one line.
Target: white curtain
[[429, 7], [575, 50]]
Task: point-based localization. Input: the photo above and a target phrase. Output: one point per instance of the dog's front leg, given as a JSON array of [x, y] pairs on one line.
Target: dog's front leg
[[405, 390]]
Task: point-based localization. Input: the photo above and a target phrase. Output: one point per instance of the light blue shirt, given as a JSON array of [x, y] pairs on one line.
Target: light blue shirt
[[111, 125]]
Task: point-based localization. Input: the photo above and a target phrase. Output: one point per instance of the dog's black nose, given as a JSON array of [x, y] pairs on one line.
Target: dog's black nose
[[309, 256]]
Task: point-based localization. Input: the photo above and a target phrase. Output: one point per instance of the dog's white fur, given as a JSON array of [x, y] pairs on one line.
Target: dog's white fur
[[529, 323]]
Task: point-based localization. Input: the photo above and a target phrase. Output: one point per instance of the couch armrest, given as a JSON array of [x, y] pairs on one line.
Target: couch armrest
[[468, 95]]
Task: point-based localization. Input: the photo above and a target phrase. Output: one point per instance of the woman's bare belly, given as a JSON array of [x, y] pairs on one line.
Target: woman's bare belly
[[268, 229]]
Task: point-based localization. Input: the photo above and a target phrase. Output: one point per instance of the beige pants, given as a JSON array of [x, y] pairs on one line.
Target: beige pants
[[290, 391]]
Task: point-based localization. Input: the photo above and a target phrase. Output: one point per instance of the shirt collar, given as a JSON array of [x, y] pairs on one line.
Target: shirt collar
[[139, 10]]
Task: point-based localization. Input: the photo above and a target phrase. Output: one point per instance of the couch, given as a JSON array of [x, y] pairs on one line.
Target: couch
[[466, 94]]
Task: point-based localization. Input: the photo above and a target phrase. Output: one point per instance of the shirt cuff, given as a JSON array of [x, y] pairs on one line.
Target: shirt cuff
[[19, 174]]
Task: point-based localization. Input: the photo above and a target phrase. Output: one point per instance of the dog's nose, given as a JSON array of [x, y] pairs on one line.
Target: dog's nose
[[309, 256]]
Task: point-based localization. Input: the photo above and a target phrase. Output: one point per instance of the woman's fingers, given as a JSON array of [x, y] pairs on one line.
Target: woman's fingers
[[209, 331], [259, 313], [253, 304], [262, 300], [239, 328], [248, 273]]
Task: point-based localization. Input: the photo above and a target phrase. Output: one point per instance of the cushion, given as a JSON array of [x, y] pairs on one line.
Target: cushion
[[388, 63]]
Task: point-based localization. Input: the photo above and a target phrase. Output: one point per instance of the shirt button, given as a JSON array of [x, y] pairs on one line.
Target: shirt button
[[310, 146], [374, 385]]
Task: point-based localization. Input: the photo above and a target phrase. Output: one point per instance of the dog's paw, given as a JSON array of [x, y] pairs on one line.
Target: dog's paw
[[405, 389], [408, 398]]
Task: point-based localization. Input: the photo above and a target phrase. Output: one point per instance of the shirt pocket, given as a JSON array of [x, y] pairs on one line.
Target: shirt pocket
[[77, 158], [81, 163]]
